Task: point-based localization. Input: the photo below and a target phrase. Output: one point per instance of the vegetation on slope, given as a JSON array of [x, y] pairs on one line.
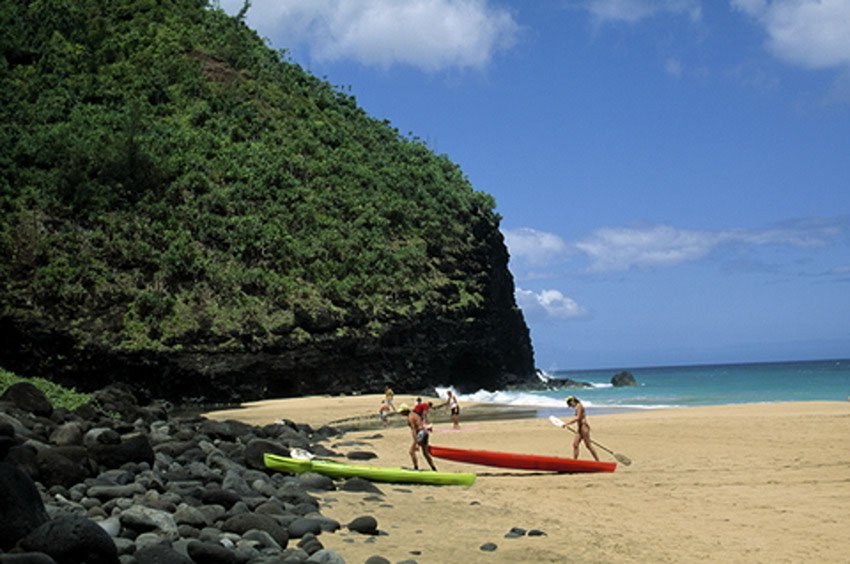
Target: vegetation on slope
[[167, 180]]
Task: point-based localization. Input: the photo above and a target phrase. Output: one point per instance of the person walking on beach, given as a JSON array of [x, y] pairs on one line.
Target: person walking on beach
[[383, 412], [454, 409], [583, 433], [388, 397], [420, 437]]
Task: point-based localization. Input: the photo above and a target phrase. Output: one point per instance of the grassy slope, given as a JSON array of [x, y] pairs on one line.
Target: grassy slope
[[167, 180]]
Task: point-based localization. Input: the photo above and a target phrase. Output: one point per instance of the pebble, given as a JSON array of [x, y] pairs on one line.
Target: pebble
[[488, 547]]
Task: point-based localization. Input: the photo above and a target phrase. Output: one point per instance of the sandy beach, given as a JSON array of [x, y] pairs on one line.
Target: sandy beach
[[748, 483]]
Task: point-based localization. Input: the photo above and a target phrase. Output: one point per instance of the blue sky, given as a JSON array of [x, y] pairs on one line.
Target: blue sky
[[673, 175]]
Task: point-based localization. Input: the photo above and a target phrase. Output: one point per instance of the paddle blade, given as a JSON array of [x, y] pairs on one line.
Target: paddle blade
[[624, 460], [301, 454], [555, 421]]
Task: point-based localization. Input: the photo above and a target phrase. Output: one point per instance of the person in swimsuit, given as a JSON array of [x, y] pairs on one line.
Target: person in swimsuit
[[388, 397], [420, 436], [454, 409], [383, 411], [583, 433]]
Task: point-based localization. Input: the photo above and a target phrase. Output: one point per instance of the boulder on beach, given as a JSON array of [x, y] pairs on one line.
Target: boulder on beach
[[21, 508], [241, 524], [136, 448], [26, 397], [72, 539], [366, 525]]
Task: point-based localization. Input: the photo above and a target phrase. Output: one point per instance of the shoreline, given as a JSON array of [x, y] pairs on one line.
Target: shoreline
[[270, 410], [732, 483]]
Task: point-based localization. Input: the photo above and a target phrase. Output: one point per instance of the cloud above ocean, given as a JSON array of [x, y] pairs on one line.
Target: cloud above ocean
[[548, 304], [431, 35], [533, 246], [624, 248], [613, 249]]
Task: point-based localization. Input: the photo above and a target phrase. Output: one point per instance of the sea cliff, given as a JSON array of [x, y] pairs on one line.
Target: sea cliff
[[186, 211]]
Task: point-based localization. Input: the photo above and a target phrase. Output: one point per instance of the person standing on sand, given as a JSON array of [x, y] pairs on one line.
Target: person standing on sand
[[421, 408], [420, 437], [454, 409], [388, 397], [583, 433]]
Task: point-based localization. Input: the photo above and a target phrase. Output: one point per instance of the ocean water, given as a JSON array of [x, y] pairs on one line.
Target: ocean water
[[684, 386]]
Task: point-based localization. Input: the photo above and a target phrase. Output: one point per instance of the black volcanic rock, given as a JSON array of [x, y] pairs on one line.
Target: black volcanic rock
[[210, 553], [136, 448], [623, 379], [550, 384], [242, 523], [56, 469], [26, 397], [214, 506], [21, 508], [255, 450], [72, 539], [365, 524]]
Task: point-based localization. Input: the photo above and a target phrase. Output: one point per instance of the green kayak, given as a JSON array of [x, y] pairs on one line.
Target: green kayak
[[374, 473]]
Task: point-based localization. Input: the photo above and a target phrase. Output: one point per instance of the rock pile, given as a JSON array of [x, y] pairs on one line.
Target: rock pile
[[122, 483]]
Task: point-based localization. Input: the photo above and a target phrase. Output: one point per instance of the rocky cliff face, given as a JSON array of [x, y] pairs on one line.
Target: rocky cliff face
[[490, 349], [203, 220]]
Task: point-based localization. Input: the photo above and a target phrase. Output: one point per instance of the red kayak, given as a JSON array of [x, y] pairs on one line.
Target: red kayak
[[522, 461]]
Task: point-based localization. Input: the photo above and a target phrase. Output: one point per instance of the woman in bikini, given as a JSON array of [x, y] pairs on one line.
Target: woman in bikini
[[583, 433]]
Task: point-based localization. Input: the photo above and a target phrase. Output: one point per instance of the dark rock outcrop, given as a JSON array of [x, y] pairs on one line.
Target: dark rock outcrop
[[541, 381], [623, 379], [490, 349]]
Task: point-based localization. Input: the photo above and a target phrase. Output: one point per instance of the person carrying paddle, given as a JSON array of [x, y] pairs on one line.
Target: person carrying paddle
[[583, 433], [420, 436]]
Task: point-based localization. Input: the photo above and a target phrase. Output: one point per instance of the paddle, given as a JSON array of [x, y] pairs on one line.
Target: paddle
[[620, 457], [301, 454]]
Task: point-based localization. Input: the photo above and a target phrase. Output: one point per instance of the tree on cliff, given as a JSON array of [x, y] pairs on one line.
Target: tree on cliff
[[169, 184]]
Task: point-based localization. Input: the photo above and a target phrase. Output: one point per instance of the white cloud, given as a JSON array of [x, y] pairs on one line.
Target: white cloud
[[535, 247], [550, 304], [613, 249], [809, 33], [632, 11], [624, 248], [428, 34]]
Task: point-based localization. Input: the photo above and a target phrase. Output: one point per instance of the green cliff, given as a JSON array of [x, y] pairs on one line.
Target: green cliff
[[185, 210]]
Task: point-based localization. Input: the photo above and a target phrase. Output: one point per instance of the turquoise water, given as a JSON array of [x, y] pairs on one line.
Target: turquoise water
[[684, 386]]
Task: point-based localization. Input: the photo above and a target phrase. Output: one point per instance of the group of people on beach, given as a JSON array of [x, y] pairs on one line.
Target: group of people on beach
[[420, 426], [418, 422]]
